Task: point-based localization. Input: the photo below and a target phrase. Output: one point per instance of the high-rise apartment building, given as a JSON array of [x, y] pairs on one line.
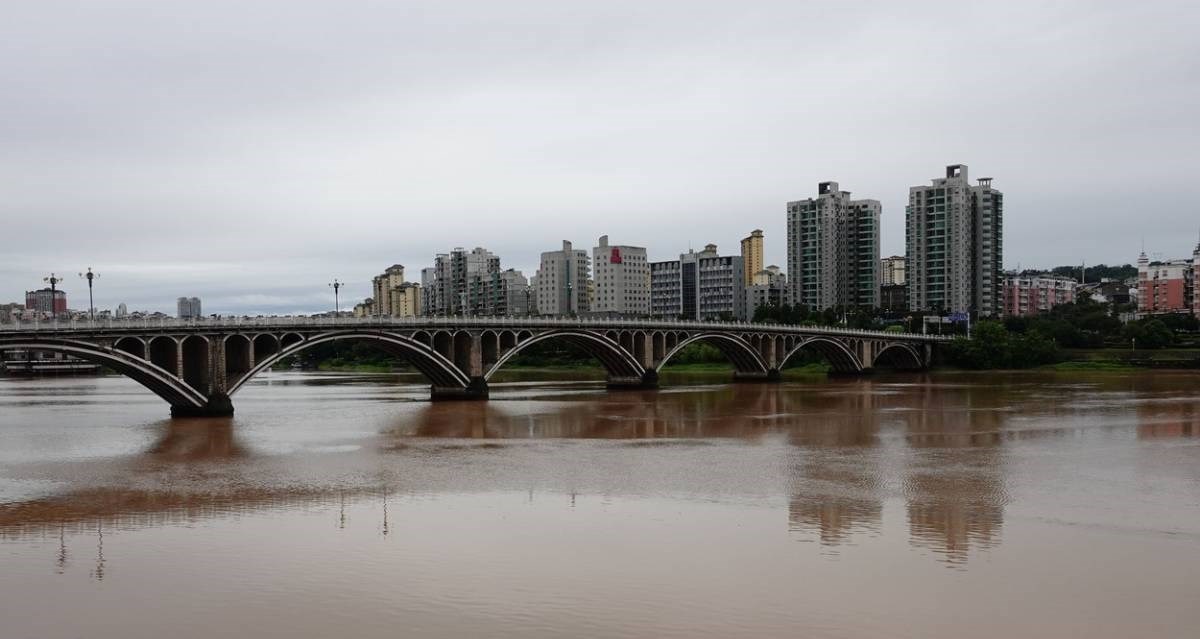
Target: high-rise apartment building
[[666, 289], [622, 279], [833, 250], [752, 255], [382, 287], [464, 282], [562, 282], [518, 296], [405, 300], [428, 282], [891, 271], [188, 308], [954, 240], [699, 285]]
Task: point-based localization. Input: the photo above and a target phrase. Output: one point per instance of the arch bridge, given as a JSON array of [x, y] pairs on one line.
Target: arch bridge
[[198, 365]]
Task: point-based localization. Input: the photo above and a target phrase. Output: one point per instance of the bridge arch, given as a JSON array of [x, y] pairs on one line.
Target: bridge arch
[[839, 355], [161, 382], [440, 371], [239, 355], [197, 369], [744, 357], [135, 346], [264, 345], [164, 353], [617, 361], [899, 356]]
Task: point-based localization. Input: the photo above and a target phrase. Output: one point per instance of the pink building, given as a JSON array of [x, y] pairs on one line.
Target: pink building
[[1028, 294], [46, 301], [1196, 280], [1167, 287]]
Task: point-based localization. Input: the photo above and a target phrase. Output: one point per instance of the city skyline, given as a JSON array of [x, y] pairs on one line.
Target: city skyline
[[251, 185], [368, 287]]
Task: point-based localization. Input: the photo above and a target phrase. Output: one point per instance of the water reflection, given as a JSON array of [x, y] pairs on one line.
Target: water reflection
[[954, 480], [192, 439], [723, 411], [838, 452], [1169, 417], [836, 479]]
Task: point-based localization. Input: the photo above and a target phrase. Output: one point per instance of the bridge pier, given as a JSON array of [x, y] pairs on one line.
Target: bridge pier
[[217, 406], [476, 389], [648, 381]]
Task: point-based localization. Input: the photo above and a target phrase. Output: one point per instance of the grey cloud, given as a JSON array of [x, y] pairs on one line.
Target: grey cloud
[[272, 146]]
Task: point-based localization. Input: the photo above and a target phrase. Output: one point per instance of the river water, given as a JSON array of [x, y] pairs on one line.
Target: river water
[[980, 505]]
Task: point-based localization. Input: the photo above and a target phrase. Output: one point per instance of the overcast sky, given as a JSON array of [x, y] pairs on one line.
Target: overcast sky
[[250, 152]]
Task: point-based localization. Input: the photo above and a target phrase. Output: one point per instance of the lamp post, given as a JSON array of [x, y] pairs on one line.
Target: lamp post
[[337, 306], [53, 280], [89, 276]]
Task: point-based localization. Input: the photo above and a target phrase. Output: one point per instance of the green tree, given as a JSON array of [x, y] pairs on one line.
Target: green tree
[[991, 346], [1151, 334]]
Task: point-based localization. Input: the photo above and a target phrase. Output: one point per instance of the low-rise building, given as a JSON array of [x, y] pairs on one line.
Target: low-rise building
[[46, 301], [768, 287], [1030, 293], [10, 312], [1166, 286], [365, 308], [893, 297], [1108, 291]]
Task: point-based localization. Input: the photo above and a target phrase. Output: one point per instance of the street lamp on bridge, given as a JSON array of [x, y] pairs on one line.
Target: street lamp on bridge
[[53, 281], [337, 306], [89, 276]]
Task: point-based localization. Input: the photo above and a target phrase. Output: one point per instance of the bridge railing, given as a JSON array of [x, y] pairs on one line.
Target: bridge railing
[[300, 322]]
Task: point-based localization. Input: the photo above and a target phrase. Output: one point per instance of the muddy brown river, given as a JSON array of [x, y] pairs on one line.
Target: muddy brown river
[[344, 505]]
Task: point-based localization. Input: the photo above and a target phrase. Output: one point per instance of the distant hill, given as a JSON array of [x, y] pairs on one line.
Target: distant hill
[[1098, 272]]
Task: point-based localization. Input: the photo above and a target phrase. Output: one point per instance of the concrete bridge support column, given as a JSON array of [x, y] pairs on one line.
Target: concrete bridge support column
[[216, 390], [866, 355], [477, 387], [648, 381]]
